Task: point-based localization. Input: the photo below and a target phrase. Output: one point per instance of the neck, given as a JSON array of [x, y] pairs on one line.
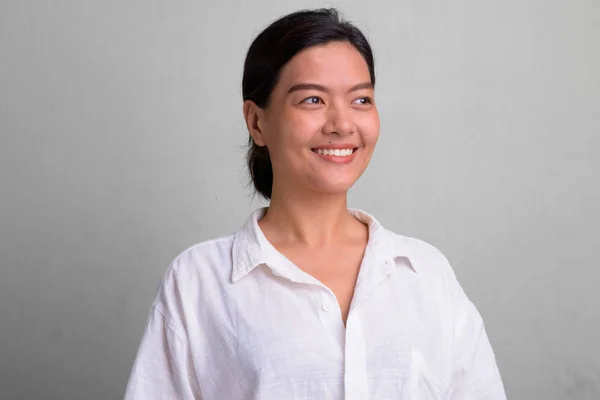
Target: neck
[[309, 219]]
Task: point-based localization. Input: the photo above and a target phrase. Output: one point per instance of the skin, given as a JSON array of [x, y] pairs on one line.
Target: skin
[[323, 96]]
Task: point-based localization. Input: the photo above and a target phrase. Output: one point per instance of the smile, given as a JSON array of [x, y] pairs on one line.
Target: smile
[[340, 156], [335, 152]]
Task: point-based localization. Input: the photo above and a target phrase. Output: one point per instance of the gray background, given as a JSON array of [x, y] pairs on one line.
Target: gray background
[[122, 143]]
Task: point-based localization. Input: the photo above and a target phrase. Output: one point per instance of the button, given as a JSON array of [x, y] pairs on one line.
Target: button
[[326, 307]]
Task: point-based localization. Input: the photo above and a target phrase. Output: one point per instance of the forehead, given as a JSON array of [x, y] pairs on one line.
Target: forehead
[[333, 64]]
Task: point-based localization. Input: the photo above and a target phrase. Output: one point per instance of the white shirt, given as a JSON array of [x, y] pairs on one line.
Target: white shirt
[[235, 319]]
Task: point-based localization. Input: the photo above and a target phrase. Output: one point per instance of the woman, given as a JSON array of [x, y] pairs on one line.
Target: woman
[[311, 300]]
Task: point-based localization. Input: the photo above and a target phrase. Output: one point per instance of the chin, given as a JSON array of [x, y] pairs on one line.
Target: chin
[[337, 187]]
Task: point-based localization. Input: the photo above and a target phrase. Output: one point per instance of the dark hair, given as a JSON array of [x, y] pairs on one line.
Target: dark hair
[[268, 54]]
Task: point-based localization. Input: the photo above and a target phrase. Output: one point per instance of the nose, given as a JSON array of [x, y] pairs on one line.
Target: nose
[[339, 121]]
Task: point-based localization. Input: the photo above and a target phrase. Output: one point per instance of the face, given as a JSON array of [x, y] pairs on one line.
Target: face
[[322, 124]]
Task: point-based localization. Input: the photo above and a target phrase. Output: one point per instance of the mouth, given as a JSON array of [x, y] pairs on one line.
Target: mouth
[[340, 156], [335, 152]]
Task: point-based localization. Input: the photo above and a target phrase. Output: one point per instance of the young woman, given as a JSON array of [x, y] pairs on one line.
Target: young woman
[[310, 299]]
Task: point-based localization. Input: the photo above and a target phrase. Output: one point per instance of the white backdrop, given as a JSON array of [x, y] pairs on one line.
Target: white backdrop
[[122, 143]]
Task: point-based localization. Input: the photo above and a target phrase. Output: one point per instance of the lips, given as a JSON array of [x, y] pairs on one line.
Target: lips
[[336, 154]]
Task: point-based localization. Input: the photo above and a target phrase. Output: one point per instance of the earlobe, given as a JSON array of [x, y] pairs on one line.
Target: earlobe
[[253, 117]]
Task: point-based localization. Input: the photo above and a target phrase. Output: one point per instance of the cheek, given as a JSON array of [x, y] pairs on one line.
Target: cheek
[[370, 129], [300, 127]]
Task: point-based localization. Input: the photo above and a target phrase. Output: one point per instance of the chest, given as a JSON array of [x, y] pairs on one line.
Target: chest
[[336, 268], [278, 340]]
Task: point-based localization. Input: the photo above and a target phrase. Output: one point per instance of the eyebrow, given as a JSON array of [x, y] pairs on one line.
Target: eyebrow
[[321, 88]]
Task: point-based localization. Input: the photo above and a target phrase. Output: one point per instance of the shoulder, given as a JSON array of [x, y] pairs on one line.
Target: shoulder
[[424, 256], [195, 271], [202, 253]]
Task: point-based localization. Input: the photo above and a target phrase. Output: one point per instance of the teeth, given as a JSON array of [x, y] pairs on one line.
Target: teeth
[[336, 152]]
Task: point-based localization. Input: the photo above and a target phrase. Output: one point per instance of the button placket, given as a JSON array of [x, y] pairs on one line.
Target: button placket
[[327, 307], [327, 301], [355, 377]]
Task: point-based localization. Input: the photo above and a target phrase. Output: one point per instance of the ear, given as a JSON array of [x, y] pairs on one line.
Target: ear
[[254, 117]]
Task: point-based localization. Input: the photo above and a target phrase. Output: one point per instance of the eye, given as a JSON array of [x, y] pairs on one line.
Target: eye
[[363, 100], [312, 100]]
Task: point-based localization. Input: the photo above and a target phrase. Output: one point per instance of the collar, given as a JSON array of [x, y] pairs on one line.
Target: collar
[[251, 248]]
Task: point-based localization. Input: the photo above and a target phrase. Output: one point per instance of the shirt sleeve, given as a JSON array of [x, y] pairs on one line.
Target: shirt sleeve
[[475, 374], [162, 368]]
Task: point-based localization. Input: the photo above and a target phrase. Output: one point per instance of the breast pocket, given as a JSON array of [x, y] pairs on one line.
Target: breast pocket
[[423, 383]]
